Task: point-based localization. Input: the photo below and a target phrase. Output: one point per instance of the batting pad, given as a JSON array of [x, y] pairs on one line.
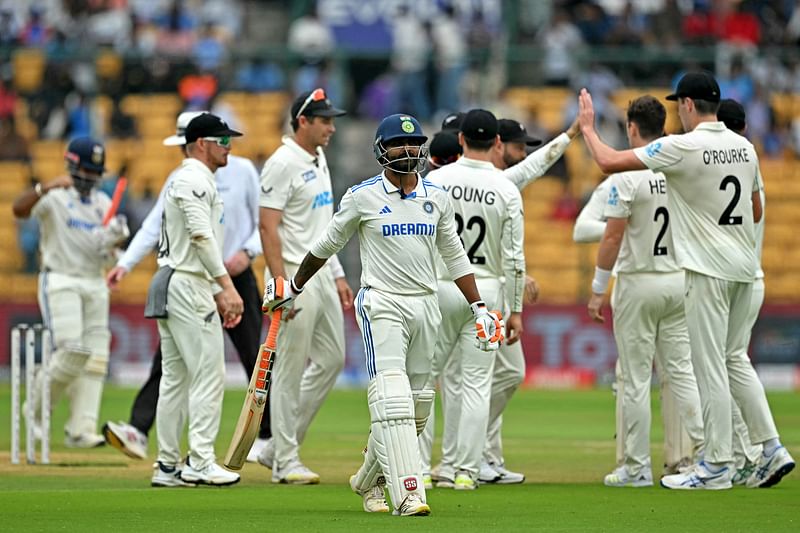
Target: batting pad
[[370, 472], [394, 434], [423, 403], [66, 366]]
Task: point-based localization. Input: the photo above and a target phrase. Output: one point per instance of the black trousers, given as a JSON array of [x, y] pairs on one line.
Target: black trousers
[[246, 337]]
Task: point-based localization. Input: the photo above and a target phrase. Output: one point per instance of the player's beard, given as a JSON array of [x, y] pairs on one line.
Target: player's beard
[[84, 186]]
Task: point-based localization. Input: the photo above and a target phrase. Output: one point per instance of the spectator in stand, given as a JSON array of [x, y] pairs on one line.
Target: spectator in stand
[[738, 85], [13, 146], [450, 58], [28, 240], [592, 21], [313, 43], [562, 42], [260, 75], [123, 126], [410, 53], [176, 30], [9, 25], [79, 116], [209, 51], [663, 25], [35, 32], [8, 98]]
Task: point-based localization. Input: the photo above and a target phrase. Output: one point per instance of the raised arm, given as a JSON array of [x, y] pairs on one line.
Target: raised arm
[[607, 158]]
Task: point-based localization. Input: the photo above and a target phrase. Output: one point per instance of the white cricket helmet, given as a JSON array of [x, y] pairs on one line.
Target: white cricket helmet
[[180, 128]]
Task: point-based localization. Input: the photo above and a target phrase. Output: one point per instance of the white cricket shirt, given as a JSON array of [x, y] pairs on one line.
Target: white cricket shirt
[[711, 173], [591, 223], [489, 220], [192, 208], [537, 163], [298, 184], [237, 183], [641, 197], [68, 223], [400, 238]]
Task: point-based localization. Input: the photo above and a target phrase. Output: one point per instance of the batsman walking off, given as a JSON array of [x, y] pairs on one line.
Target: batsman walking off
[[403, 223]]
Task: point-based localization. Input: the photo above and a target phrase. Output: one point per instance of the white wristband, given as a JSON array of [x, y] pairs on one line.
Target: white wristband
[[294, 287], [478, 308], [600, 281]]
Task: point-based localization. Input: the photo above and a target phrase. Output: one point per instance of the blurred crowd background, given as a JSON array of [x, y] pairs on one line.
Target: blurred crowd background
[[122, 70]]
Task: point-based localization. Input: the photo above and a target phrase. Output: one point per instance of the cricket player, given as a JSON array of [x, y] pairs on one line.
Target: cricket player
[[404, 223], [73, 299], [198, 290], [237, 183], [678, 447], [649, 320], [489, 218], [521, 169], [296, 205], [745, 453], [708, 170]]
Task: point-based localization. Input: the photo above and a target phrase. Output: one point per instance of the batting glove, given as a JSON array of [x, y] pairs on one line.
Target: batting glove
[[279, 293], [489, 327]]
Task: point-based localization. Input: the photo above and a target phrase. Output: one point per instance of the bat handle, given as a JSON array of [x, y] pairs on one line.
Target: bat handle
[[272, 334]]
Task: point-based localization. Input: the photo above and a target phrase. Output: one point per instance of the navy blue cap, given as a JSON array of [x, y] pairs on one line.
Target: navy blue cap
[[453, 121], [697, 86], [479, 125], [208, 125], [86, 153], [511, 131], [732, 114], [399, 126]]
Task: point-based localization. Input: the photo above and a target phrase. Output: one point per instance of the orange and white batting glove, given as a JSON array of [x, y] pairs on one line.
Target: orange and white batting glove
[[279, 293], [489, 327]]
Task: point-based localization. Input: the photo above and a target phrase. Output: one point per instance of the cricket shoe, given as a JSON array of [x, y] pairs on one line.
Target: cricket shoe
[[771, 469], [265, 448], [699, 477], [621, 478], [84, 440], [427, 481], [211, 474], [487, 474], [168, 476], [742, 474], [507, 477], [463, 481], [374, 498], [295, 473], [126, 438], [444, 476], [413, 506]]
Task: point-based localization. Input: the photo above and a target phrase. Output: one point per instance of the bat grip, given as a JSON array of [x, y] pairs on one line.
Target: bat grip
[[275, 323]]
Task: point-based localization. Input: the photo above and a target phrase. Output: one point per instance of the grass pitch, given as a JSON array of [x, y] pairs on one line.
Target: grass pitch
[[562, 440]]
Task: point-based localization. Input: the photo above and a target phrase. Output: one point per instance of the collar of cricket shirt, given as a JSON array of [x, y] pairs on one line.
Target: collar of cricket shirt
[[300, 152], [711, 126], [419, 190], [196, 165], [476, 163]]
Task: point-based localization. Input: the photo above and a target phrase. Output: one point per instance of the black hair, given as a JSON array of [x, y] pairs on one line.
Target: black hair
[[649, 115], [479, 145]]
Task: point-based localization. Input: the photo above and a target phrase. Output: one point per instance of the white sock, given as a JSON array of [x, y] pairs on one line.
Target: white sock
[[771, 445], [715, 468]]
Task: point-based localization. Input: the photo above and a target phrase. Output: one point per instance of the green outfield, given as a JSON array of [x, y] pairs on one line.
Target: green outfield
[[563, 441]]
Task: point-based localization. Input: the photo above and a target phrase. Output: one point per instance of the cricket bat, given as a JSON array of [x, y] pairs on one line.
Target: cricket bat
[[119, 190], [253, 409]]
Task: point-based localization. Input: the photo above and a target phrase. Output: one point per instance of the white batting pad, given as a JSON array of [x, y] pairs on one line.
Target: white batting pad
[[394, 435]]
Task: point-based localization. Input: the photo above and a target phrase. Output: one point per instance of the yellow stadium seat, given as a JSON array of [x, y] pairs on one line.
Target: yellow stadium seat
[[29, 65]]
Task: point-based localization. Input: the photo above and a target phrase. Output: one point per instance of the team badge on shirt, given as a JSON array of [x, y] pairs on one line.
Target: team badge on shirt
[[309, 175], [613, 196], [427, 207], [652, 149]]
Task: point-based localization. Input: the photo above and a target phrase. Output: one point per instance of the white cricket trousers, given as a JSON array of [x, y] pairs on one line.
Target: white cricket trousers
[[75, 310], [649, 322], [717, 313], [509, 373], [466, 381], [399, 332], [308, 360], [193, 371]]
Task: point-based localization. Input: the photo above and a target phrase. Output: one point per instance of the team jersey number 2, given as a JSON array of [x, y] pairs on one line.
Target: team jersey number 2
[[474, 223], [663, 214], [727, 218]]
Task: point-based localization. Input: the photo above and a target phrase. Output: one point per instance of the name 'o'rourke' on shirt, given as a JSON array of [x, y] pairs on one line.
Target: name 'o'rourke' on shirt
[[711, 174]]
